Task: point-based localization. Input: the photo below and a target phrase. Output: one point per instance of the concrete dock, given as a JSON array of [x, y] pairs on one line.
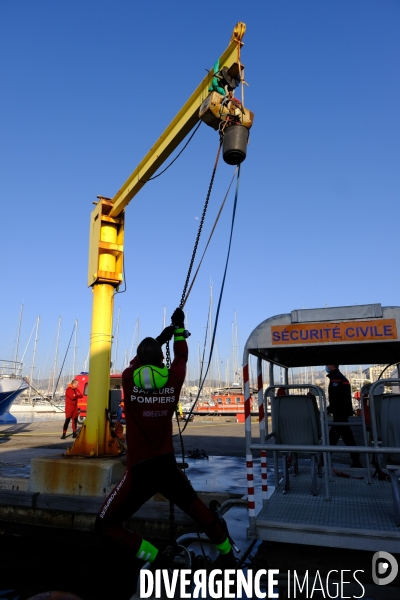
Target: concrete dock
[[47, 539]]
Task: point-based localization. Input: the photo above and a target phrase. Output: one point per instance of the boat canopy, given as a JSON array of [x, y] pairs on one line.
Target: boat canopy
[[343, 335]]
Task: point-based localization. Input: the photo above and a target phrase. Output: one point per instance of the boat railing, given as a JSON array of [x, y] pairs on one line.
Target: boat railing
[[11, 369]]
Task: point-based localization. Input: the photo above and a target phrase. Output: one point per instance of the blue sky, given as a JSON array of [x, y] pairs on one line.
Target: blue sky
[[88, 87]]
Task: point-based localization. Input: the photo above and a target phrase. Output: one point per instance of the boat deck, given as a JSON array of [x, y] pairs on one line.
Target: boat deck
[[358, 515]]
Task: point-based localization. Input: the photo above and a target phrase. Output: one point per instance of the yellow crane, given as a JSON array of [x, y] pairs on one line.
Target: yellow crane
[[214, 103]]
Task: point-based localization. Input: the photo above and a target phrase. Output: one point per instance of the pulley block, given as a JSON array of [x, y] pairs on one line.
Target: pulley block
[[217, 108]]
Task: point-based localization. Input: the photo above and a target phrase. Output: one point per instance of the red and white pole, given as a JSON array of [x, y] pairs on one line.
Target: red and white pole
[[249, 457], [261, 420]]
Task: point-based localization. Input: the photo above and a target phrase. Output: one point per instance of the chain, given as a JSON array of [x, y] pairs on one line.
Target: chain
[[167, 355], [183, 299]]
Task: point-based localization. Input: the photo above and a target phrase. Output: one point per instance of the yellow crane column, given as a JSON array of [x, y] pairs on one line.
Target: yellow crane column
[[105, 274]]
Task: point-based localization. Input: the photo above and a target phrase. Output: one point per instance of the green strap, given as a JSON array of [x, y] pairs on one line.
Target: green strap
[[177, 335], [225, 547], [214, 86], [147, 552]]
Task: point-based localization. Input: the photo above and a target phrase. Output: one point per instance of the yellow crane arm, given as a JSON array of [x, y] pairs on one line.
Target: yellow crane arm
[[176, 131]]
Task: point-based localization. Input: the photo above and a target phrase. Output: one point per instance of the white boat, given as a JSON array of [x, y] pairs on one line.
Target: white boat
[[11, 384], [39, 405]]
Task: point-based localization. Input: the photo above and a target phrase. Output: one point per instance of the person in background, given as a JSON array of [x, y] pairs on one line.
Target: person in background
[[72, 394], [118, 427], [341, 408]]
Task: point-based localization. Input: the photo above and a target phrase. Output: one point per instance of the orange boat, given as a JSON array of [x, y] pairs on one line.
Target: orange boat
[[225, 401]]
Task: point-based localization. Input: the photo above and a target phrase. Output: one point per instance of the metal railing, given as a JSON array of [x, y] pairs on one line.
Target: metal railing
[[11, 369]]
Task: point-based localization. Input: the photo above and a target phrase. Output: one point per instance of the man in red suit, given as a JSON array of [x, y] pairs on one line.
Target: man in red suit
[[72, 394]]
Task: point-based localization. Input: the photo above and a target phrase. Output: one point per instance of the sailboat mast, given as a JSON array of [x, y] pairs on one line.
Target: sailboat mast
[[19, 331], [188, 367], [126, 361], [133, 343], [217, 365], [74, 357], [235, 344], [234, 350], [34, 355], [210, 340], [199, 359], [56, 356], [233, 354], [86, 362]]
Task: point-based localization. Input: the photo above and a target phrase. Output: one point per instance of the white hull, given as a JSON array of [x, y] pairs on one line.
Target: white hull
[[38, 408], [10, 388]]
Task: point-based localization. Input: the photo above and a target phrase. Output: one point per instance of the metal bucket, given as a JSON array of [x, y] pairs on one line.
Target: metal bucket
[[235, 144]]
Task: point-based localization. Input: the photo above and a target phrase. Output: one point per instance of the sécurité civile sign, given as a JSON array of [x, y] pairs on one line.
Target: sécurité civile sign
[[346, 331]]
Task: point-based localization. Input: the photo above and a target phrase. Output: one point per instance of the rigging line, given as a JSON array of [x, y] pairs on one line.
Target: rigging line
[[181, 440], [167, 352], [40, 394], [220, 297], [26, 348], [200, 226], [200, 378], [172, 162], [209, 239], [62, 366]]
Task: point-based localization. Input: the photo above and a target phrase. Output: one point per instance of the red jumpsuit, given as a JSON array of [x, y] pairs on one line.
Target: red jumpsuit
[[71, 402], [151, 464]]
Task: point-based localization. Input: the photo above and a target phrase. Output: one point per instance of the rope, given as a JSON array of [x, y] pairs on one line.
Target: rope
[[184, 298], [171, 506], [219, 300], [182, 302], [40, 394], [209, 239], [172, 161]]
